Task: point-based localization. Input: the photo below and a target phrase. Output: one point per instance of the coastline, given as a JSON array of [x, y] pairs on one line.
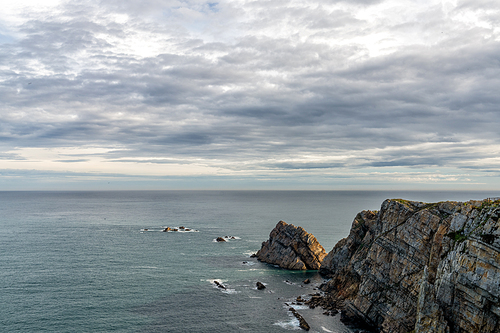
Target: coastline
[[410, 266]]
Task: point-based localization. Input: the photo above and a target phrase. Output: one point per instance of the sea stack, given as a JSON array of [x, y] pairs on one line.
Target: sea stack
[[292, 247]]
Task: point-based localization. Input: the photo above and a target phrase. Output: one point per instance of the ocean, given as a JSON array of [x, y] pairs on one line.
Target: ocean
[[100, 261]]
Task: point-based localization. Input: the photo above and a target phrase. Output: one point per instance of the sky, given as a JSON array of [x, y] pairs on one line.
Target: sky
[[243, 94]]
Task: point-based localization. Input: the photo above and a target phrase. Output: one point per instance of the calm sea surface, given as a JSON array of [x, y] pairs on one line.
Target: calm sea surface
[[83, 261]]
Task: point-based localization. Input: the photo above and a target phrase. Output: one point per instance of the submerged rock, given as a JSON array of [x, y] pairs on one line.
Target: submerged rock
[[260, 285], [219, 285], [220, 239], [292, 247]]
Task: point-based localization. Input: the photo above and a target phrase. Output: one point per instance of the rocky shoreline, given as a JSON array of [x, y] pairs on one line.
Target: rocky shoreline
[[409, 267]]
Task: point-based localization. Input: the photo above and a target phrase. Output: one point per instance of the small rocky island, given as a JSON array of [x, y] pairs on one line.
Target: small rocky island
[[292, 247], [409, 267]]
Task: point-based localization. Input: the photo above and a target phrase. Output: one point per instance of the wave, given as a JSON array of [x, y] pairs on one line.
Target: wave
[[250, 270], [298, 307], [212, 281], [292, 324], [230, 291], [249, 253]]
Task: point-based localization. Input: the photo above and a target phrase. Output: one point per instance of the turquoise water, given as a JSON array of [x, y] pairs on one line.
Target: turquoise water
[[82, 261]]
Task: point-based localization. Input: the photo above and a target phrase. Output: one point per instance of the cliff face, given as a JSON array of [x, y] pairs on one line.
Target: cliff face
[[420, 267], [292, 247]]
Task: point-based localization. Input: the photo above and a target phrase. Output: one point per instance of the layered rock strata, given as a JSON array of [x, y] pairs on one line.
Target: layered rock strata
[[292, 247], [418, 267]]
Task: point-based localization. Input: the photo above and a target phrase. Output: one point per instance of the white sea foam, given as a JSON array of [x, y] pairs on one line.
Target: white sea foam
[[248, 263], [327, 330], [229, 291], [251, 270], [292, 324], [212, 281]]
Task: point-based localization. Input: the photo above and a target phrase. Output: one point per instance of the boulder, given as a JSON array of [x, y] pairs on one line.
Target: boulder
[[220, 239], [260, 285], [292, 247], [219, 285]]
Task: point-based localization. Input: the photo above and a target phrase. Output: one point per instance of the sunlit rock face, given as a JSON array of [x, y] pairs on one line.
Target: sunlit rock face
[[292, 247], [420, 267]]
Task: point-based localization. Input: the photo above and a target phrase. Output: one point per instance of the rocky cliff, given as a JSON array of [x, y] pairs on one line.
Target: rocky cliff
[[291, 247], [418, 267]]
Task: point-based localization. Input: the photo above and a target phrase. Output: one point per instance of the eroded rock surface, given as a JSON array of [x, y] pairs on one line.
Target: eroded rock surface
[[420, 267], [292, 247]]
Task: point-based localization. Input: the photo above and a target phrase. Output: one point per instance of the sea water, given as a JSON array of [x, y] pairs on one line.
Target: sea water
[[100, 261]]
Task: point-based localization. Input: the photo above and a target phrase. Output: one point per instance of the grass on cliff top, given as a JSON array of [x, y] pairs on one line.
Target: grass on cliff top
[[419, 205], [407, 202], [457, 236], [489, 203], [486, 203]]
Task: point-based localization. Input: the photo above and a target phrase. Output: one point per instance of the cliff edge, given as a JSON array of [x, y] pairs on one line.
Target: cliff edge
[[420, 267], [292, 247]]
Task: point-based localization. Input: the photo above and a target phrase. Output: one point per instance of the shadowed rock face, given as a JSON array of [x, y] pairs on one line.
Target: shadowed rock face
[[420, 267], [292, 247]]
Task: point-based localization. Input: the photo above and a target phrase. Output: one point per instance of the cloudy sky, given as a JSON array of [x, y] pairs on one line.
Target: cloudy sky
[[244, 94]]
